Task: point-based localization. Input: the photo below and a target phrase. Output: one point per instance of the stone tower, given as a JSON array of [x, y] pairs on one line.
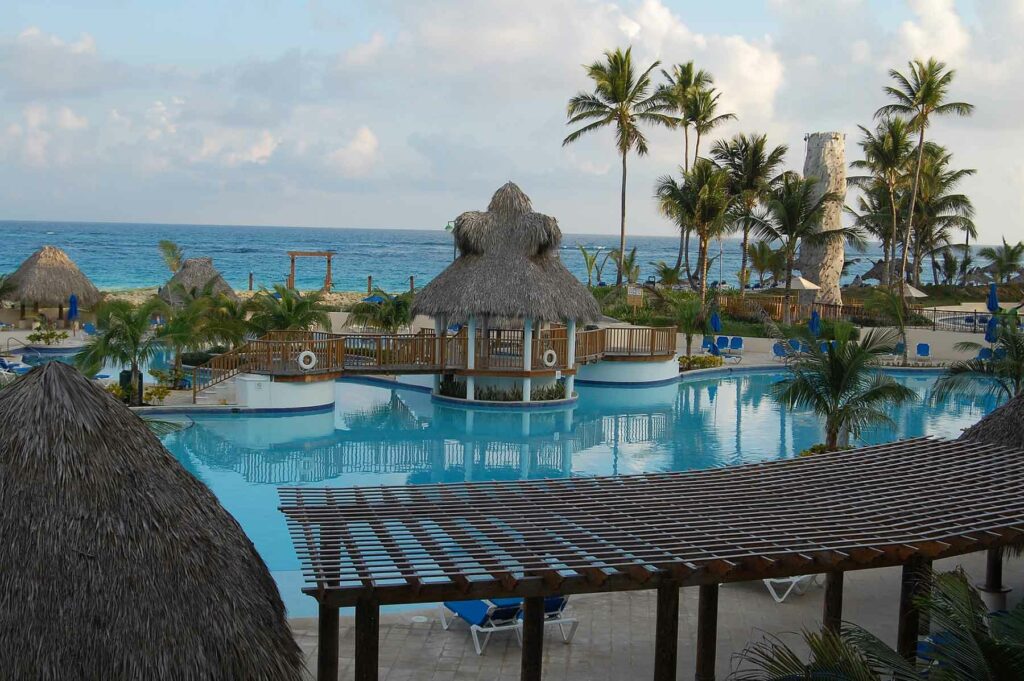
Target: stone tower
[[826, 161]]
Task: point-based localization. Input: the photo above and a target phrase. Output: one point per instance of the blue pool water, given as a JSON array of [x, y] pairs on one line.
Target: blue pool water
[[161, 361], [376, 435]]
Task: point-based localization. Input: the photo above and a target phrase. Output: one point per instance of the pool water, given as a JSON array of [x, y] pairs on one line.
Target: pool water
[[161, 361], [376, 435]]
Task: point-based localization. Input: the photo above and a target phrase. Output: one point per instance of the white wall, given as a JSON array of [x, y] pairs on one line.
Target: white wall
[[259, 392], [629, 372]]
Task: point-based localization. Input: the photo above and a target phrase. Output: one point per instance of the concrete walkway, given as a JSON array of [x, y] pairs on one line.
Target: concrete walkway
[[615, 640]]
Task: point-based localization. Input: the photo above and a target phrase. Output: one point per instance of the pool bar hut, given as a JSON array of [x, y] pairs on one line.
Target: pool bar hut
[[196, 276], [48, 278], [507, 282]]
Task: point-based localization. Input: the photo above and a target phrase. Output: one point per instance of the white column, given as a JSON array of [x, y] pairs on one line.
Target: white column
[[527, 356], [438, 329], [570, 363], [471, 358]]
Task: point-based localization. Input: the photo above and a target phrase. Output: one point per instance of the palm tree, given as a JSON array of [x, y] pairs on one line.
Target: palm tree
[[228, 320], [627, 267], [622, 99], [667, 275], [1002, 374], [950, 267], [287, 309], [794, 213], [690, 317], [172, 254], [918, 98], [680, 85], [702, 113], [841, 384], [124, 337], [1007, 260], [589, 261], [392, 313], [889, 305], [702, 201], [764, 260], [185, 329], [752, 168], [887, 151]]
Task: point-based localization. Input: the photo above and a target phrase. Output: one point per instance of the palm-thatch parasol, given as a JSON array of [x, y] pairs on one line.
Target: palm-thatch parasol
[[49, 277], [508, 268], [116, 562], [877, 272], [1004, 426], [196, 275]]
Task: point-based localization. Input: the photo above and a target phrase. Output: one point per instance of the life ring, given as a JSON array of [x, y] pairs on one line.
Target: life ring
[[306, 360], [550, 358]]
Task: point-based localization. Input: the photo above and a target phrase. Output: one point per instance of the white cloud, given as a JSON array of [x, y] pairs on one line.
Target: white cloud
[[356, 158], [365, 53], [69, 120], [938, 31]]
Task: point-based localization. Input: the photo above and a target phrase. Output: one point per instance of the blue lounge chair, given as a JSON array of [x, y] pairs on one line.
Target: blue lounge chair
[[89, 329], [722, 342], [805, 347], [794, 344], [484, 617], [1000, 353], [899, 349], [554, 615], [923, 350], [705, 344], [736, 345], [985, 354], [823, 346], [716, 352], [779, 352]]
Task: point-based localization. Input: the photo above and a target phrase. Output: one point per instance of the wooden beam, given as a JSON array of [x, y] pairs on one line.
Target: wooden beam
[[994, 570], [533, 638], [327, 644], [910, 617], [707, 632], [666, 633], [367, 639], [832, 616]]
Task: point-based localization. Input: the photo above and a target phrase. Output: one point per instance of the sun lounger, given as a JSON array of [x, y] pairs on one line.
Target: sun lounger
[[554, 615], [727, 358], [736, 345], [722, 343], [985, 354], [924, 351], [483, 617], [779, 352], [89, 329], [781, 588]]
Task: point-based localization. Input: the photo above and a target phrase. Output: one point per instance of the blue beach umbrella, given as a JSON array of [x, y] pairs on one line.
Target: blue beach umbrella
[[716, 322], [992, 302], [73, 308], [373, 299], [991, 330], [814, 325]]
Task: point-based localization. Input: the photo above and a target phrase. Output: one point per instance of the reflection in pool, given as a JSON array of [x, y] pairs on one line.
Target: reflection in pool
[[376, 435]]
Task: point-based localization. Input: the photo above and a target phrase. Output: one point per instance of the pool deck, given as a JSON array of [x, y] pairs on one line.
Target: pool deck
[[616, 636]]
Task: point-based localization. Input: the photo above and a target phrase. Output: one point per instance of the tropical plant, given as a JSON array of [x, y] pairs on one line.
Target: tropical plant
[[627, 266], [794, 212], [887, 151], [702, 201], [1002, 374], [227, 322], [589, 262], [917, 98], [185, 329], [690, 316], [392, 313], [680, 84], [172, 254], [702, 113], [667, 274], [950, 267], [889, 305], [764, 260], [839, 381], [599, 266], [287, 309], [124, 337], [622, 99], [752, 169], [1006, 260]]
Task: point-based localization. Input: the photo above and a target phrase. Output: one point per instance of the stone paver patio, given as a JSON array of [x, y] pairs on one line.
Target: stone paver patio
[[616, 636]]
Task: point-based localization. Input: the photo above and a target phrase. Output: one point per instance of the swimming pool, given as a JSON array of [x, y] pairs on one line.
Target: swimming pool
[[161, 361], [376, 435]]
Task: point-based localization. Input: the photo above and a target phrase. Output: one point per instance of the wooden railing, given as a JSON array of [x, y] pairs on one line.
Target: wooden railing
[[277, 353]]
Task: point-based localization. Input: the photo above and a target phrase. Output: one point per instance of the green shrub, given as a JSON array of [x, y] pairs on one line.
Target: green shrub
[[822, 448], [691, 362], [194, 359], [47, 335], [156, 393], [453, 388]]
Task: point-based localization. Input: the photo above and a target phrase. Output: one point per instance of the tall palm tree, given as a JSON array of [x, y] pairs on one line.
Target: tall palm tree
[[589, 262], [887, 151], [752, 167], [793, 214], [690, 316], [919, 97], [392, 313], [702, 113], [680, 84], [287, 309], [765, 260], [172, 254], [228, 320], [889, 305], [186, 329], [1003, 374], [124, 337], [622, 99], [1007, 260], [840, 383], [703, 202]]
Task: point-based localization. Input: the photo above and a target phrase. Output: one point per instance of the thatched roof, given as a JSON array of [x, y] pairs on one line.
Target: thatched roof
[[1004, 426], [195, 275], [49, 277], [115, 562], [509, 268], [877, 272]]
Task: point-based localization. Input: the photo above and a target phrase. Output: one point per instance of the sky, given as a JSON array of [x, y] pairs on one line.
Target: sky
[[396, 113]]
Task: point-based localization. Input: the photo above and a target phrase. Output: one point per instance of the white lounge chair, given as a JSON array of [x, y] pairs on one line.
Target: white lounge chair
[[782, 587]]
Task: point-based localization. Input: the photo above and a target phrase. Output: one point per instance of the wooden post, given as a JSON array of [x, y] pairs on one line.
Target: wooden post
[[327, 644], [832, 616], [369, 284], [707, 632], [367, 635], [994, 570], [327, 280], [910, 618], [533, 638], [666, 633], [250, 281], [412, 284], [291, 273]]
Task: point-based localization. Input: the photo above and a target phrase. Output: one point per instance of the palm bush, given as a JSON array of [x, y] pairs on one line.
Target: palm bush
[[287, 309], [186, 329], [840, 383], [228, 320], [689, 315], [1007, 260], [890, 306], [1002, 374], [392, 313]]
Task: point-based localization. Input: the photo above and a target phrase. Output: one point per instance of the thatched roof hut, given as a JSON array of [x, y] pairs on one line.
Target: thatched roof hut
[[49, 277], [196, 274], [508, 268], [115, 562], [877, 272], [1004, 426]]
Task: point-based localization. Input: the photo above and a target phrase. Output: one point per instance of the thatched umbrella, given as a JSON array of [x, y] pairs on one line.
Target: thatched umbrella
[[877, 272], [115, 562], [196, 274], [1004, 426], [49, 277], [508, 268]]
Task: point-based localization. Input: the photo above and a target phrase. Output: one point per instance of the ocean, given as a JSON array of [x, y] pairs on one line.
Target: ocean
[[124, 255]]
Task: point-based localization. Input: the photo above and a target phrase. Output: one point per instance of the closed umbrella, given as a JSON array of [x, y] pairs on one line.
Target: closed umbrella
[[72, 308], [814, 325], [991, 330], [716, 322], [992, 302]]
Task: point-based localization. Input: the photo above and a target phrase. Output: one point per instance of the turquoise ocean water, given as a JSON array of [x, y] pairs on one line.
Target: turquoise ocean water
[[124, 255]]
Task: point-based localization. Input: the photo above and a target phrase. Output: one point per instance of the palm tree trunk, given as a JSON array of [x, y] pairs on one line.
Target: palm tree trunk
[[910, 212], [967, 250], [136, 395], [686, 150], [702, 262], [743, 255], [831, 436], [682, 247], [696, 148], [890, 254], [622, 222], [787, 317], [686, 255]]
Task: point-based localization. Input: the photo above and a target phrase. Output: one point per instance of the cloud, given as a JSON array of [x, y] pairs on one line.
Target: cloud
[[937, 31], [37, 65], [355, 159], [69, 120]]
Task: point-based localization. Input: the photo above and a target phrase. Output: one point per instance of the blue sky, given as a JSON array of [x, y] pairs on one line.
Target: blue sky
[[402, 114]]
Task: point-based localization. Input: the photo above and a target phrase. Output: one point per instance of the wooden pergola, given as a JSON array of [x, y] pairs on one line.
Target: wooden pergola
[[904, 503], [292, 255]]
